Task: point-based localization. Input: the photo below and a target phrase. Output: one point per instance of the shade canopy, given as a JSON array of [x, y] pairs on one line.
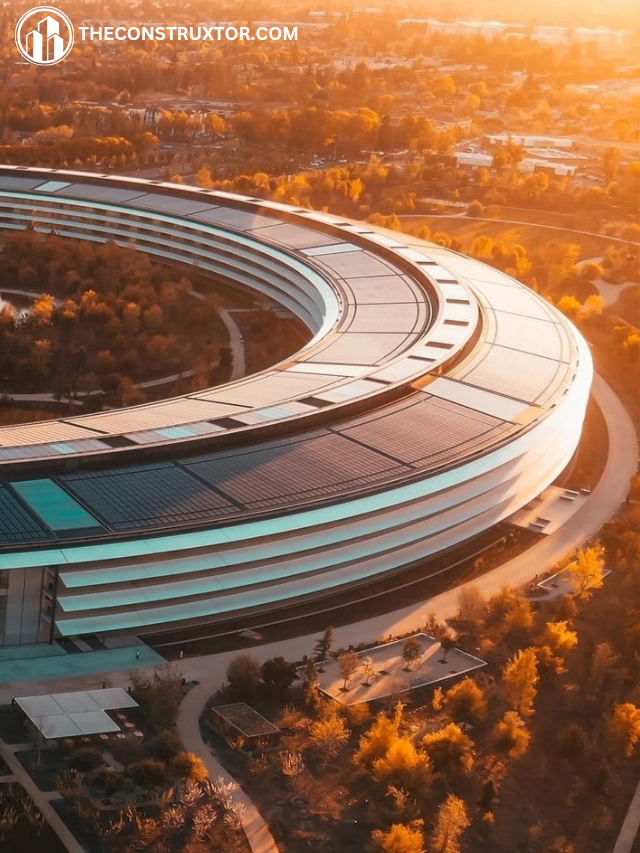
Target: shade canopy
[[57, 715]]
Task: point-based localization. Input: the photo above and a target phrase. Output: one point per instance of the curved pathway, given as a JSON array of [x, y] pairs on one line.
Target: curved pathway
[[256, 830], [498, 220]]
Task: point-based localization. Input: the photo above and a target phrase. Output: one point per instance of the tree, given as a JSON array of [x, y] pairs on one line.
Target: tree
[[310, 672], [519, 618], [402, 766], [603, 664], [368, 669], [43, 308], [323, 647], [465, 701], [451, 822], [411, 651], [572, 742], [185, 765], [519, 679], [148, 773], [349, 663], [376, 741], [472, 604], [450, 750], [85, 759], [278, 673], [160, 697], [164, 746], [243, 675], [329, 735], [557, 640], [510, 736], [399, 838], [587, 571], [623, 728], [447, 643]]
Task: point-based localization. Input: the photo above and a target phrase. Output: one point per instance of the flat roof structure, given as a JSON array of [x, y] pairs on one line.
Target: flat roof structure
[[436, 397], [390, 676], [83, 713], [245, 721]]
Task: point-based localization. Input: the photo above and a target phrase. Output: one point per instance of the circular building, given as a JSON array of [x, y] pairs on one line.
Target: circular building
[[436, 397]]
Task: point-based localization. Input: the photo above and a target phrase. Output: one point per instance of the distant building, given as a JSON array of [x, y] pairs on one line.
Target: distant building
[[528, 141]]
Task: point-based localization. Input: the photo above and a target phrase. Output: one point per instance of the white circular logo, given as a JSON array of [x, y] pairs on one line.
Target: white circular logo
[[44, 35]]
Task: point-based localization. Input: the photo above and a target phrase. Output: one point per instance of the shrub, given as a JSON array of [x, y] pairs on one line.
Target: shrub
[[148, 773], [278, 673], [164, 746], [243, 675], [107, 780], [85, 759]]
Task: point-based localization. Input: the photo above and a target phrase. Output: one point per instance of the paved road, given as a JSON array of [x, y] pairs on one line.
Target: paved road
[[630, 827], [236, 342], [499, 221]]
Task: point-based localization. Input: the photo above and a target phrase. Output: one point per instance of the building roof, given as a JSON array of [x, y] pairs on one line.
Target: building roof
[[57, 715]]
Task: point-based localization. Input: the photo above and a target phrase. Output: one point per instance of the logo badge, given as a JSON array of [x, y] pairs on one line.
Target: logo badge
[[44, 35]]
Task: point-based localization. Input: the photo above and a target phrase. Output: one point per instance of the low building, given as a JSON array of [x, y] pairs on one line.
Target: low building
[[239, 720]]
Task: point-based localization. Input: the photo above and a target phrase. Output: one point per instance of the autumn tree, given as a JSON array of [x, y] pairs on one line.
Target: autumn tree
[[519, 679], [329, 734], [466, 701], [587, 571], [451, 822], [402, 766], [623, 728], [348, 662], [558, 639], [376, 741], [450, 750], [510, 736], [603, 663], [368, 669], [472, 605], [399, 838]]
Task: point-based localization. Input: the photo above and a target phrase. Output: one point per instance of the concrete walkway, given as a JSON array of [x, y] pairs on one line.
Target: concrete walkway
[[630, 827], [42, 799], [258, 835], [236, 342]]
